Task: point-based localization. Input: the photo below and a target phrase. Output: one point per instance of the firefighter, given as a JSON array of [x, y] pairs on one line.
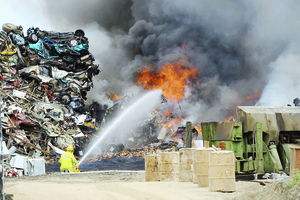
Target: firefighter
[[68, 161]]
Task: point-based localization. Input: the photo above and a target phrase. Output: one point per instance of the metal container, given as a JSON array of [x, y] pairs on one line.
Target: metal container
[[201, 160], [186, 165], [151, 168], [168, 166], [221, 171]]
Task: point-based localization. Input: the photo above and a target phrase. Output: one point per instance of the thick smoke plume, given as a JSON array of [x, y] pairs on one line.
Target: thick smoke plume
[[239, 47]]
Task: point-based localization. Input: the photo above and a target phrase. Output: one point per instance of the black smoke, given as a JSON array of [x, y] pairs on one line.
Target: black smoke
[[237, 46]]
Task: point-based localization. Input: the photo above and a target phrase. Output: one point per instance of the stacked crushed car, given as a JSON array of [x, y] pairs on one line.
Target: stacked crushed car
[[45, 77]]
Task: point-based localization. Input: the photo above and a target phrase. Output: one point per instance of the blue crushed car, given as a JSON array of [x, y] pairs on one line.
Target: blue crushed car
[[69, 46]]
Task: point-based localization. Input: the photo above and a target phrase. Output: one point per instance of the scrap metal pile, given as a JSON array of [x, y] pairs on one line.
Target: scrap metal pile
[[45, 77]]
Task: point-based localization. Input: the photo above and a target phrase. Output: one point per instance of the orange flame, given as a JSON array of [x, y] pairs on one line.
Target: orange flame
[[174, 123], [231, 117], [197, 127], [171, 78], [170, 121], [113, 95], [252, 99]]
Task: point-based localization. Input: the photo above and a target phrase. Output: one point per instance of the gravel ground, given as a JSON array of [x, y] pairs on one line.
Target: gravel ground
[[113, 185]]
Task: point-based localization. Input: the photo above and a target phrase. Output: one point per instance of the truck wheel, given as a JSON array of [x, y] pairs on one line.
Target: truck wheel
[[8, 27]]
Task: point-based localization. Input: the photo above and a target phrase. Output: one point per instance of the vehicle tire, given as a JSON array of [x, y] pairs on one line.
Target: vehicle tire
[[33, 38], [65, 99], [8, 27], [73, 42], [68, 59], [79, 32]]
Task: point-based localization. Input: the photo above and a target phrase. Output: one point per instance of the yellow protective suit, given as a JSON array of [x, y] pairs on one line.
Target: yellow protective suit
[[68, 161]]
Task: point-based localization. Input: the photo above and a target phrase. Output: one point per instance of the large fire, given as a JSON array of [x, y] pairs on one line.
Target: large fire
[[172, 78]]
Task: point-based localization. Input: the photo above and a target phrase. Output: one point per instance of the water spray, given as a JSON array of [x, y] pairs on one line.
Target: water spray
[[154, 96]]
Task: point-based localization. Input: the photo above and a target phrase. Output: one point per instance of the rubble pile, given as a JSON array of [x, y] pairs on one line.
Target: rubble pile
[[125, 153], [45, 77]]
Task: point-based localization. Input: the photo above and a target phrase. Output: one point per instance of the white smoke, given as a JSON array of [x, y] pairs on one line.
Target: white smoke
[[284, 83]]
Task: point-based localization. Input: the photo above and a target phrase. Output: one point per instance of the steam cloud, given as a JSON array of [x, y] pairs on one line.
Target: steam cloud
[[239, 47]]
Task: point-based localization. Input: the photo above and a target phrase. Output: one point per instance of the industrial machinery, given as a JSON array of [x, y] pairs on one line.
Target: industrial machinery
[[260, 138]]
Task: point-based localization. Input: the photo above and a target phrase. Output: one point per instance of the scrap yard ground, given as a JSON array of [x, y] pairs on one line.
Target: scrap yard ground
[[112, 186]]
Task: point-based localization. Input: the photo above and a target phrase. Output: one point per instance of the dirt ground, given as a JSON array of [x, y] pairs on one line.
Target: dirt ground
[[111, 185]]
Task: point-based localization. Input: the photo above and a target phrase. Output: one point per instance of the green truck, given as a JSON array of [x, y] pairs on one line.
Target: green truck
[[260, 138]]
